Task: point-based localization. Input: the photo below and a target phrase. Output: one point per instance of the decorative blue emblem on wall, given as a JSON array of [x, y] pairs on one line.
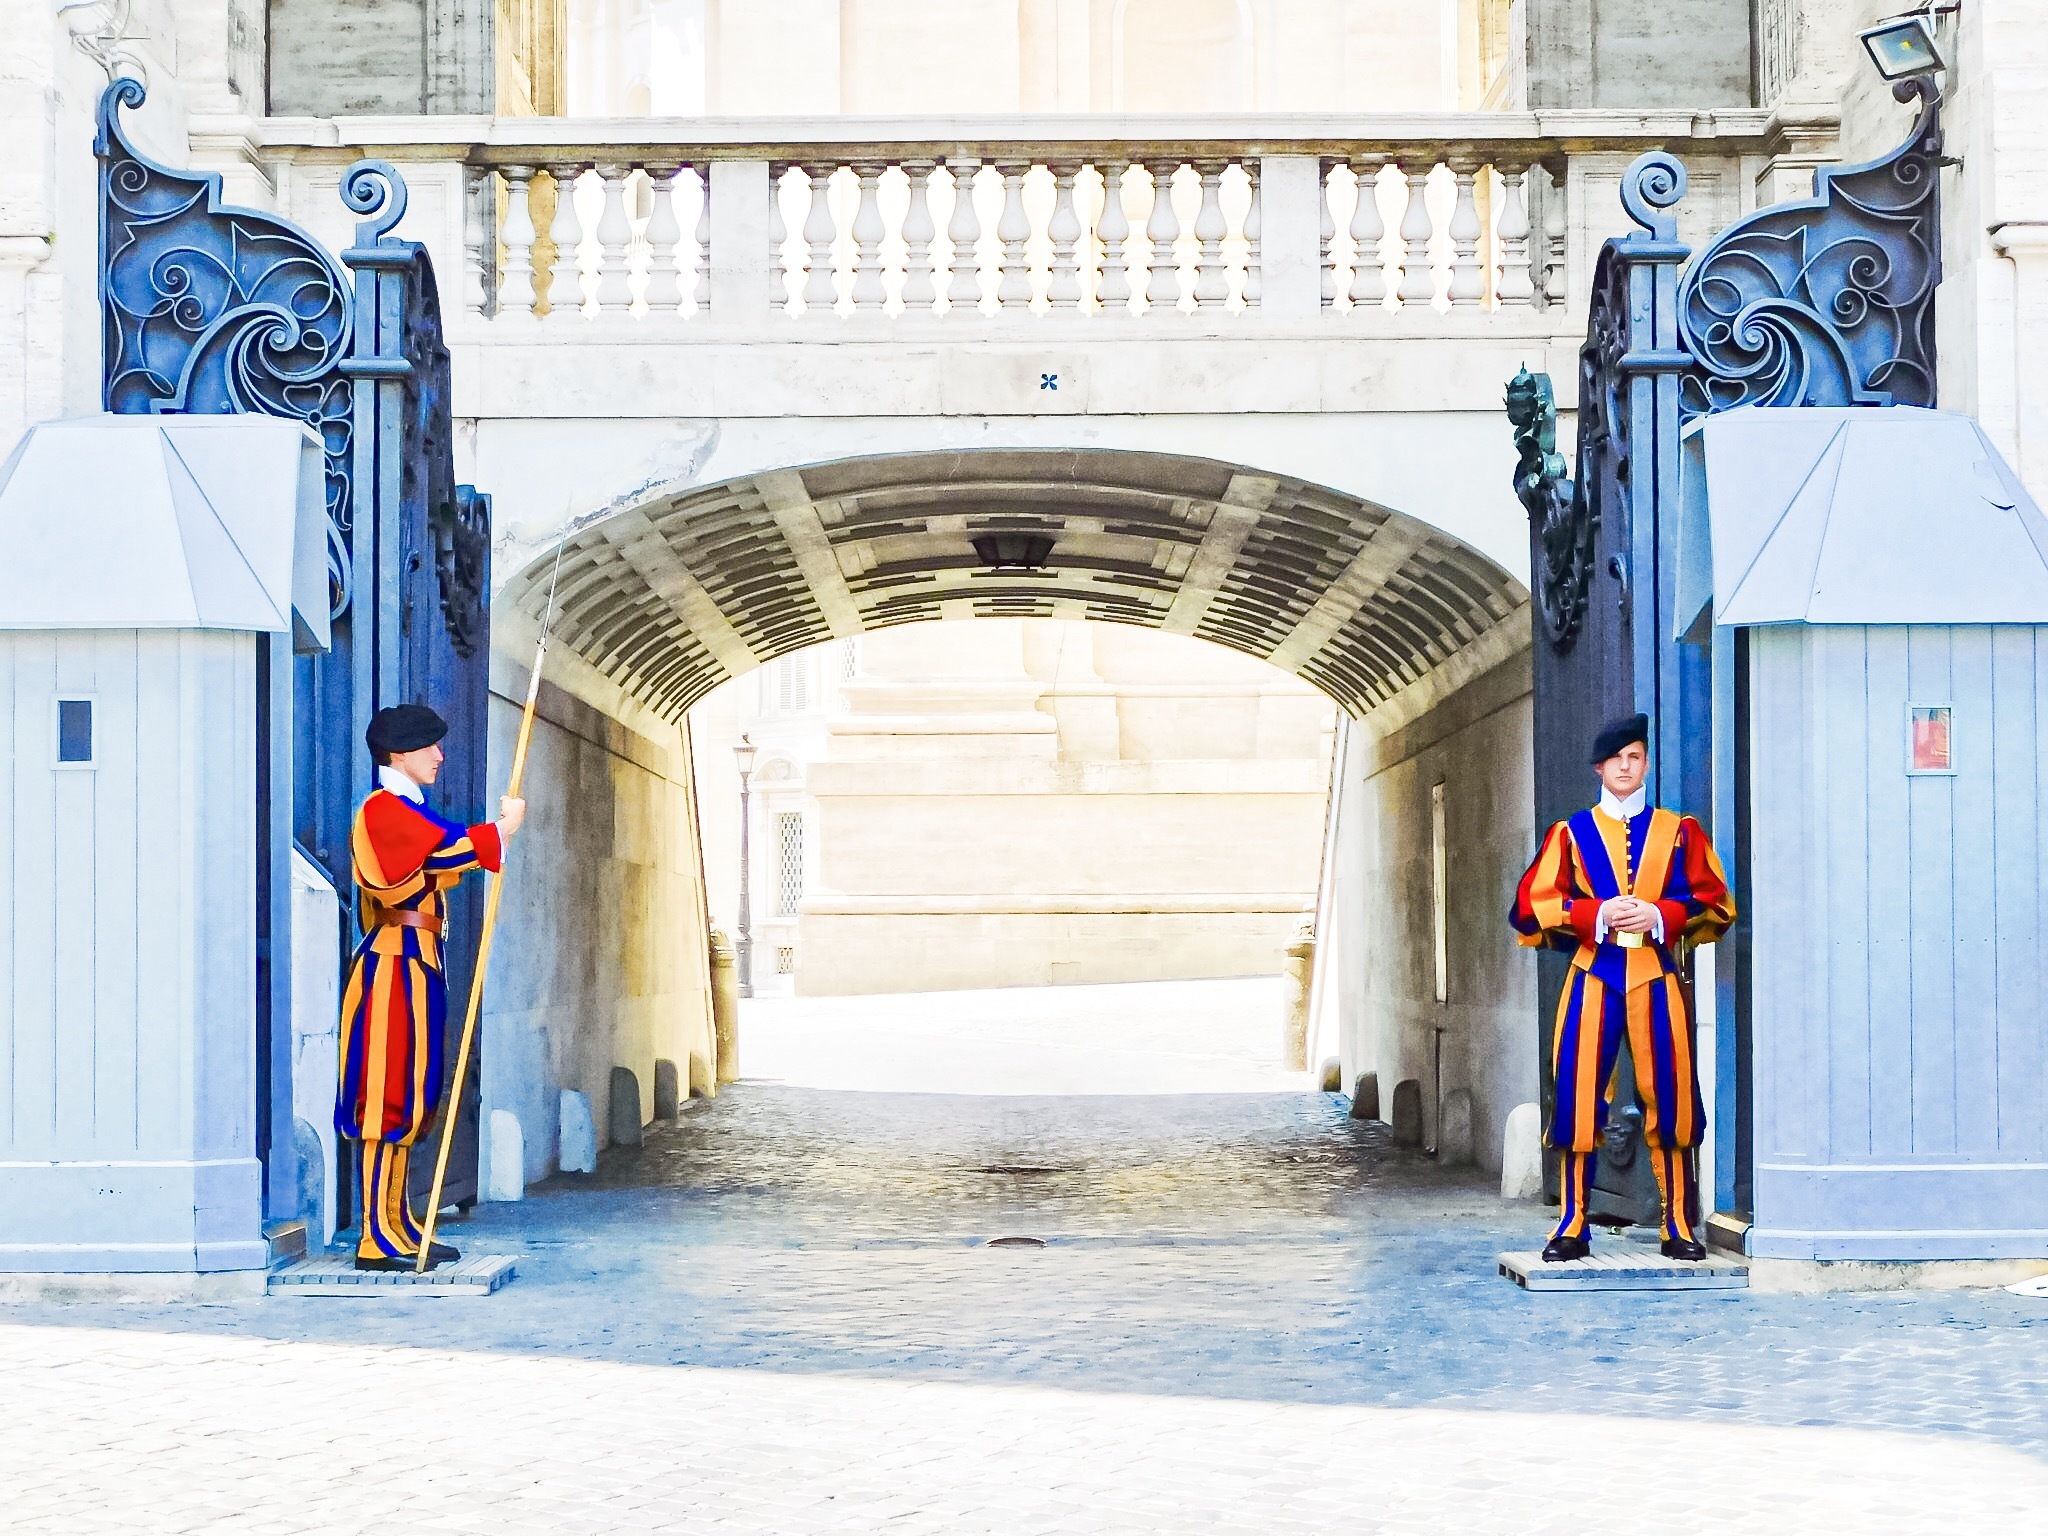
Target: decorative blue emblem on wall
[[211, 309], [1829, 301]]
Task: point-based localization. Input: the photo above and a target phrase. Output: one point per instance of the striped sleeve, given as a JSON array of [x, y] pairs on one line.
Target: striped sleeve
[[465, 848], [1696, 904], [1546, 913]]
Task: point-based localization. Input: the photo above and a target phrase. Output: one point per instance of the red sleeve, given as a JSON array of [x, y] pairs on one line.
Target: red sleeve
[[1675, 917], [1584, 914], [489, 846], [398, 840]]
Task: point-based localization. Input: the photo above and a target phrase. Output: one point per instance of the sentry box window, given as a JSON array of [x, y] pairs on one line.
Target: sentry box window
[[1930, 738], [74, 733]]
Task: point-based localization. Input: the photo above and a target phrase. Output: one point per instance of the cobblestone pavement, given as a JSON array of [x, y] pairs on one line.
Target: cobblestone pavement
[[1251, 1315]]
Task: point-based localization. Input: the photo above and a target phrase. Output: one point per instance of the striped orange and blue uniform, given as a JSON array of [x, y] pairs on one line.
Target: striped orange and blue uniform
[[394, 1005], [1587, 859]]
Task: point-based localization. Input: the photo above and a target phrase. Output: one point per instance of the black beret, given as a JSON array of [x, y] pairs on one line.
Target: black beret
[[1617, 734], [404, 728]]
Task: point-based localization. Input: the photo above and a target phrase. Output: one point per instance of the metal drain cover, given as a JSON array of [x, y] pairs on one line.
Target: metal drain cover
[[1016, 1242]]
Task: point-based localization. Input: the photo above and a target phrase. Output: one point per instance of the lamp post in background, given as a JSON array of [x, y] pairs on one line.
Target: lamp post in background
[[743, 756]]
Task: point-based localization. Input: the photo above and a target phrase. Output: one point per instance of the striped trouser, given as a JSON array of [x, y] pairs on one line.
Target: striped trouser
[[1592, 1019], [388, 1228]]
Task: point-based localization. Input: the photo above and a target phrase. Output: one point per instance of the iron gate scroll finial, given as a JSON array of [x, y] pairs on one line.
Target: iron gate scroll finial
[[211, 309], [1829, 300]]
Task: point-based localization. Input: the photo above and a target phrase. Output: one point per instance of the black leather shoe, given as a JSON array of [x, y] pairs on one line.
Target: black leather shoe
[[1684, 1249], [1562, 1250], [441, 1253], [385, 1265]]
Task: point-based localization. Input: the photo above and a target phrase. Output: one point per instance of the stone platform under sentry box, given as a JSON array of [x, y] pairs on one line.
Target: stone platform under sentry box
[[336, 1275], [1624, 1266]]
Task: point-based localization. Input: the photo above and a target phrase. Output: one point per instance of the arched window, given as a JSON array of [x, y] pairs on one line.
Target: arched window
[[1184, 56]]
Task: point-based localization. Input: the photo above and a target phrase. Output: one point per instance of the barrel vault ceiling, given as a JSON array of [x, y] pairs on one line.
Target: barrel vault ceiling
[[673, 595]]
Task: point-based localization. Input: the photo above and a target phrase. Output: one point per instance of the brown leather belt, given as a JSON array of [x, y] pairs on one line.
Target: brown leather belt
[[400, 917]]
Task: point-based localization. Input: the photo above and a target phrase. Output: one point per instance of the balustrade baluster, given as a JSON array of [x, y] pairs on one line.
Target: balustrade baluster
[[1247, 263], [778, 237], [1335, 274], [1113, 229], [963, 230], [1368, 229], [1212, 287], [1515, 286], [1468, 283], [565, 275], [1556, 276], [1162, 292], [664, 293], [515, 290], [870, 294], [1014, 230], [699, 284], [614, 235], [1418, 277], [1063, 288], [920, 279], [819, 292], [479, 243]]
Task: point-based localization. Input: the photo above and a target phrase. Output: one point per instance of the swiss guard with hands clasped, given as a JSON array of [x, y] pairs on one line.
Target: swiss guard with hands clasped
[[394, 1003], [1627, 888]]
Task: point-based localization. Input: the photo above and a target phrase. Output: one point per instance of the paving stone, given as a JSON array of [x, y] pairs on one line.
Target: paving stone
[[1252, 1313]]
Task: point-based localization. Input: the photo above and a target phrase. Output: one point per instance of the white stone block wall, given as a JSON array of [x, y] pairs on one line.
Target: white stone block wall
[[1475, 742], [596, 962]]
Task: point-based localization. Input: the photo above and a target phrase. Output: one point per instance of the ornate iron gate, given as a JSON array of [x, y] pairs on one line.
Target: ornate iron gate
[[210, 309], [1827, 301]]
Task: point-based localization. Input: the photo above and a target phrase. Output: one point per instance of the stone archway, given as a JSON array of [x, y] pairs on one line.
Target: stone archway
[[673, 593], [670, 591]]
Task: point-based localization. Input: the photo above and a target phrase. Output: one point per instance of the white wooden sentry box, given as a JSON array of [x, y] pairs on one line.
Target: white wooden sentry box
[[1882, 565], [149, 561]]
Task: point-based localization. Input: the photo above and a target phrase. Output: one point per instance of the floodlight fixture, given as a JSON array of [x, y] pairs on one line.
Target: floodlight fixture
[[1906, 47]]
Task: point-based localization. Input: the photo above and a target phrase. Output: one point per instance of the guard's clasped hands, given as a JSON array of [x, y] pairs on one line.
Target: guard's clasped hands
[[1628, 914]]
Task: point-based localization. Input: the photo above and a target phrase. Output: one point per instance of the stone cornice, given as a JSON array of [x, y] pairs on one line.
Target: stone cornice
[[517, 140]]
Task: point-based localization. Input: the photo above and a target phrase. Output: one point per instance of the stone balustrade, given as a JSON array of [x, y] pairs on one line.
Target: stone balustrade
[[1115, 220]]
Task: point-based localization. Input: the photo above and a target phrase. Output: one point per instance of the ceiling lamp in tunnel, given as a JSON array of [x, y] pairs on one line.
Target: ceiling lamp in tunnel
[[1013, 551]]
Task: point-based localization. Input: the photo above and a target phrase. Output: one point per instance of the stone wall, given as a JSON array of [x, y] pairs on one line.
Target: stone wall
[[1476, 744], [349, 57], [1638, 53], [598, 960]]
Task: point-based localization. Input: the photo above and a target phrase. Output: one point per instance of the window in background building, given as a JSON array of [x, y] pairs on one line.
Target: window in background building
[[785, 959], [789, 862], [792, 691]]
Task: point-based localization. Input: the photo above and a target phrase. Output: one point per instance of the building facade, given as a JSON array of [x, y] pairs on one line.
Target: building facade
[[1221, 298], [1015, 802]]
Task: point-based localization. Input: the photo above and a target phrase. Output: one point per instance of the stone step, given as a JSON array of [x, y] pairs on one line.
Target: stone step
[[1635, 1269], [472, 1275]]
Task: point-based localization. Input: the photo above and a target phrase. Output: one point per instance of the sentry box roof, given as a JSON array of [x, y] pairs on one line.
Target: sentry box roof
[[166, 522], [1857, 515]]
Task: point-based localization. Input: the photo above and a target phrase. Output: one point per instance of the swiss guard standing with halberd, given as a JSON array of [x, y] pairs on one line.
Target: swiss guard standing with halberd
[[395, 1002], [1626, 887]]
